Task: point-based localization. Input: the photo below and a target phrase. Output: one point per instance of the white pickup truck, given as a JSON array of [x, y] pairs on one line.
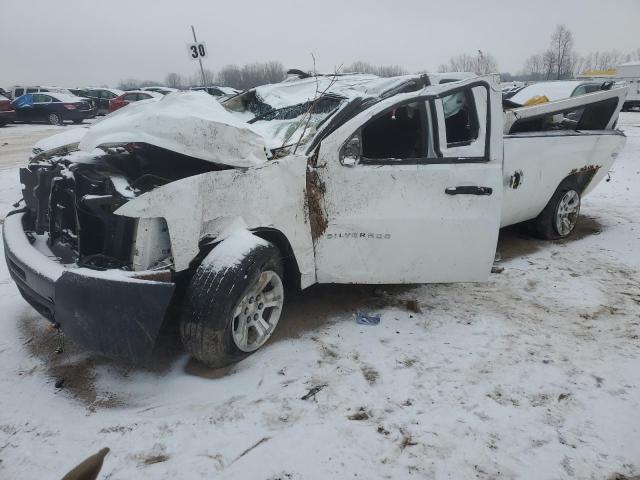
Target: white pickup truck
[[328, 179]]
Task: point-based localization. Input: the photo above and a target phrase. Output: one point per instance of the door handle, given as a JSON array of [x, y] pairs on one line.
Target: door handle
[[468, 190]]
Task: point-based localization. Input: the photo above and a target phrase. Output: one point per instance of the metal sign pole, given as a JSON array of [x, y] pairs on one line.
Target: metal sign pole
[[195, 40]]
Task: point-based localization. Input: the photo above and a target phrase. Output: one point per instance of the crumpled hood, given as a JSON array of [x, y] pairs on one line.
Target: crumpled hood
[[190, 123]]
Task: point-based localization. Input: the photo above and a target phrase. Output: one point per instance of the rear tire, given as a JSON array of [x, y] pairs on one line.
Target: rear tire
[[54, 119], [560, 216], [226, 304]]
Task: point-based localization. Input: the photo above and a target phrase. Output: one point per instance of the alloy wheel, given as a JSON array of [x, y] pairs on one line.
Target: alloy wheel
[[257, 314]]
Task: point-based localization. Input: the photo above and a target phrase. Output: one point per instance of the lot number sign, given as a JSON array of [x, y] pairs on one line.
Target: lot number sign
[[197, 50]]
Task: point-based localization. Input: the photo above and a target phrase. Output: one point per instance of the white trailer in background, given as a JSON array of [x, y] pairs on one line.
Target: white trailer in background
[[630, 73]]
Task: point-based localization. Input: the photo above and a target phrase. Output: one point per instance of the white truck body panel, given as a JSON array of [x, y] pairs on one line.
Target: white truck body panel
[[396, 224], [545, 160]]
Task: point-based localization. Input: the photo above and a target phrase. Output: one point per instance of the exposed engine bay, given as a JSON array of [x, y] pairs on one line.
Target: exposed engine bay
[[71, 200]]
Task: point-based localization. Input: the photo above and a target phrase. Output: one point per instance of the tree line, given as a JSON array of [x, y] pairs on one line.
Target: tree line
[[250, 75], [559, 61]]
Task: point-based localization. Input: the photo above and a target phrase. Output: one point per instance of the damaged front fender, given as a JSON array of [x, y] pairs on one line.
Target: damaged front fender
[[211, 205]]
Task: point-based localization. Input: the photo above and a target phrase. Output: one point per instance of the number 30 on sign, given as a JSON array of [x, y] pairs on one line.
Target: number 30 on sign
[[197, 50]]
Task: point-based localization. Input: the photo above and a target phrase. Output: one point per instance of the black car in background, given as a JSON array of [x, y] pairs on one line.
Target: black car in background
[[101, 98], [53, 108]]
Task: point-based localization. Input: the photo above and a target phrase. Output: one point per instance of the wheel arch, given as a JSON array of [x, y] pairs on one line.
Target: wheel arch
[[289, 261], [292, 274], [579, 180]]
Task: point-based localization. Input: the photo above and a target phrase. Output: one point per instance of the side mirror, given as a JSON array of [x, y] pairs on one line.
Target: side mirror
[[351, 151]]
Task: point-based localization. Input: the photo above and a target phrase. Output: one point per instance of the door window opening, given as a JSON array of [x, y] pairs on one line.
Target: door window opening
[[461, 120], [398, 133]]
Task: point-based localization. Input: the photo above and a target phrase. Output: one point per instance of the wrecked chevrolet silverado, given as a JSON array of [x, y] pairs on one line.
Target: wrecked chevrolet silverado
[[216, 208]]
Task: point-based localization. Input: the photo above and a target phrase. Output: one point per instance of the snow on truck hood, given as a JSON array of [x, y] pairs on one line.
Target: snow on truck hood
[[190, 123]]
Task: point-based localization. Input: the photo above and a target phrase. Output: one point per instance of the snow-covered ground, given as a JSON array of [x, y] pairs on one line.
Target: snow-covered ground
[[533, 375]]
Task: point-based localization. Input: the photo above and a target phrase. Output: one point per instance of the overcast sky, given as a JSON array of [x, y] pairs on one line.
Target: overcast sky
[[84, 42]]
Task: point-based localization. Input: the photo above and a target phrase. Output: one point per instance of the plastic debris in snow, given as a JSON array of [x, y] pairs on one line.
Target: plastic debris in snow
[[364, 318]]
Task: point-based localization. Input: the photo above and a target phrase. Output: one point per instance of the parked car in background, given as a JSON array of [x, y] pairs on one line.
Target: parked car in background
[[162, 90], [101, 98], [53, 108], [558, 90], [79, 92], [129, 97], [19, 90], [7, 112], [509, 89], [4, 93], [83, 93]]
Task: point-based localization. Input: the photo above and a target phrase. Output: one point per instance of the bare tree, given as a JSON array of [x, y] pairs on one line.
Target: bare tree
[[129, 84], [480, 63], [602, 60], [149, 83], [230, 76], [549, 62], [380, 70], [251, 75], [174, 80], [534, 67], [561, 53], [134, 84], [274, 72]]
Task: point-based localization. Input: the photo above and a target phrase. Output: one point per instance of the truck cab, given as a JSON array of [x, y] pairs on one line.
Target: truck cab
[[326, 179]]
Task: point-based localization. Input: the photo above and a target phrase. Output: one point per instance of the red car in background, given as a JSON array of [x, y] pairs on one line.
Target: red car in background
[[7, 112], [128, 97]]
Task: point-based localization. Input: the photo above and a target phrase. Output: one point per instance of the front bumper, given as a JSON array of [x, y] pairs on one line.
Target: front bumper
[[111, 312]]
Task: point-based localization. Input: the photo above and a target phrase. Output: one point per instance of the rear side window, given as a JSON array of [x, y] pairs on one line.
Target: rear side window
[[460, 117], [581, 90], [108, 95], [32, 90], [40, 98], [131, 97], [459, 135]]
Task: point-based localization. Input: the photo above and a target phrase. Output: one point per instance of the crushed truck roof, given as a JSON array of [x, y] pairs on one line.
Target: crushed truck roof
[[248, 128]]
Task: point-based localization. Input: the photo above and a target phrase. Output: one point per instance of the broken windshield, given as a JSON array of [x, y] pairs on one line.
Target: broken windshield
[[295, 124]]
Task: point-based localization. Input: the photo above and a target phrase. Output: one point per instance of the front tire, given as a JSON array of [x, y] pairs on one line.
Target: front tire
[[232, 307], [54, 119], [560, 216]]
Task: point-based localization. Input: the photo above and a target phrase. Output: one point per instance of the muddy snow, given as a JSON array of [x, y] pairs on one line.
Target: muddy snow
[[533, 375]]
